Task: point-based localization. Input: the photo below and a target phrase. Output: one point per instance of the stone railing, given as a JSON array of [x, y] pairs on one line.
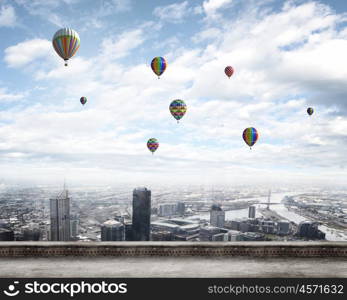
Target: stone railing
[[174, 249]]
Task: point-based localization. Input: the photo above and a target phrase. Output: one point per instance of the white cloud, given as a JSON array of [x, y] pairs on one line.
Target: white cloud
[[8, 17], [281, 60], [174, 13], [5, 96], [27, 52], [117, 6], [121, 45], [211, 7]]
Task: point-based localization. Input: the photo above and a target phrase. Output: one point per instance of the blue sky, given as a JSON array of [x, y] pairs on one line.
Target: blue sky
[[287, 55]]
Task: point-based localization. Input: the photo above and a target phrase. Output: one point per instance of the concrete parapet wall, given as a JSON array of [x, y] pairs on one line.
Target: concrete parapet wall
[[174, 249]]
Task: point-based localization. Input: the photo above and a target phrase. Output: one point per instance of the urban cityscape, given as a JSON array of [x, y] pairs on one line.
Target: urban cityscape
[[191, 213]]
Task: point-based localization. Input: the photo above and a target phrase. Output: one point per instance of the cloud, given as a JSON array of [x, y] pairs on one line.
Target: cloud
[[284, 61], [5, 96], [211, 7], [112, 6], [174, 13], [27, 52], [8, 17], [121, 45]]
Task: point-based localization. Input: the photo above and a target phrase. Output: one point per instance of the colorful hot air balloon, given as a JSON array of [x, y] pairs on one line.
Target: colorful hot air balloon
[[310, 111], [66, 42], [152, 145], [178, 108], [229, 71], [83, 100], [158, 65], [250, 136]]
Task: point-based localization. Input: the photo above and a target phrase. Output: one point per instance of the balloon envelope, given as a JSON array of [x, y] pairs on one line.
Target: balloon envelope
[[310, 111], [250, 136], [66, 42], [158, 65], [178, 108], [152, 144], [229, 71], [83, 100]]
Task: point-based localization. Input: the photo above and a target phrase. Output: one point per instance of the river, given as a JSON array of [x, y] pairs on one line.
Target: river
[[331, 234]]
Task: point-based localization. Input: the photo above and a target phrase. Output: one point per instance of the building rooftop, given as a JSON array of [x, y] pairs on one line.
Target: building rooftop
[[173, 259], [112, 223]]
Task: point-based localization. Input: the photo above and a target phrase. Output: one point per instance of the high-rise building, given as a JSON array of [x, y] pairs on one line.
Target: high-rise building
[[74, 227], [141, 214], [167, 209], [60, 217], [217, 216], [181, 208], [112, 230], [251, 212], [128, 230]]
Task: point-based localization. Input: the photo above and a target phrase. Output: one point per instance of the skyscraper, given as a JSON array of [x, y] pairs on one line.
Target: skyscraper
[[251, 212], [217, 216], [141, 214], [181, 208], [60, 217], [112, 230], [74, 227]]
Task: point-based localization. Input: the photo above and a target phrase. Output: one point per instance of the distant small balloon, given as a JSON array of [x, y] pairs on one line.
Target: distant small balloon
[[83, 100], [310, 111], [250, 136], [229, 71], [152, 145], [158, 65]]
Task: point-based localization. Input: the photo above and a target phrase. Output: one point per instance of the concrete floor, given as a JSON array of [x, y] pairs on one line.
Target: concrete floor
[[172, 267]]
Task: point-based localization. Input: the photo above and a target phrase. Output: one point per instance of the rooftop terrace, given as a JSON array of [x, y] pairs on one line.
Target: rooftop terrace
[[173, 259]]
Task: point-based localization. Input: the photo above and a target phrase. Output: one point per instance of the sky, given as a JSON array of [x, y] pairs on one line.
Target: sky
[[287, 56]]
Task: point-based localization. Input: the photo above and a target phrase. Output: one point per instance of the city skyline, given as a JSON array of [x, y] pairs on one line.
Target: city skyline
[[287, 56]]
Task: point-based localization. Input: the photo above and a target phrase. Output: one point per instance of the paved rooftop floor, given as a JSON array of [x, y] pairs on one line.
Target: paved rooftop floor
[[172, 267]]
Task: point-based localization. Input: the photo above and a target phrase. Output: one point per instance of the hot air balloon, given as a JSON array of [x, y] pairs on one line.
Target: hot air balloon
[[152, 145], [66, 42], [158, 65], [178, 108], [310, 111], [229, 71], [250, 136], [83, 100]]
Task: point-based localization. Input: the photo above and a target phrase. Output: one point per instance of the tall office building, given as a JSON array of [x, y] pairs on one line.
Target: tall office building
[[112, 230], [60, 217], [167, 210], [181, 208], [74, 227], [251, 212], [217, 216], [141, 214]]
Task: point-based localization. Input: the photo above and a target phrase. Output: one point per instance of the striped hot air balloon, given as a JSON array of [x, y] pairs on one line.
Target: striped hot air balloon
[[310, 111], [152, 145], [250, 136], [229, 71], [158, 65], [178, 108], [66, 42]]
